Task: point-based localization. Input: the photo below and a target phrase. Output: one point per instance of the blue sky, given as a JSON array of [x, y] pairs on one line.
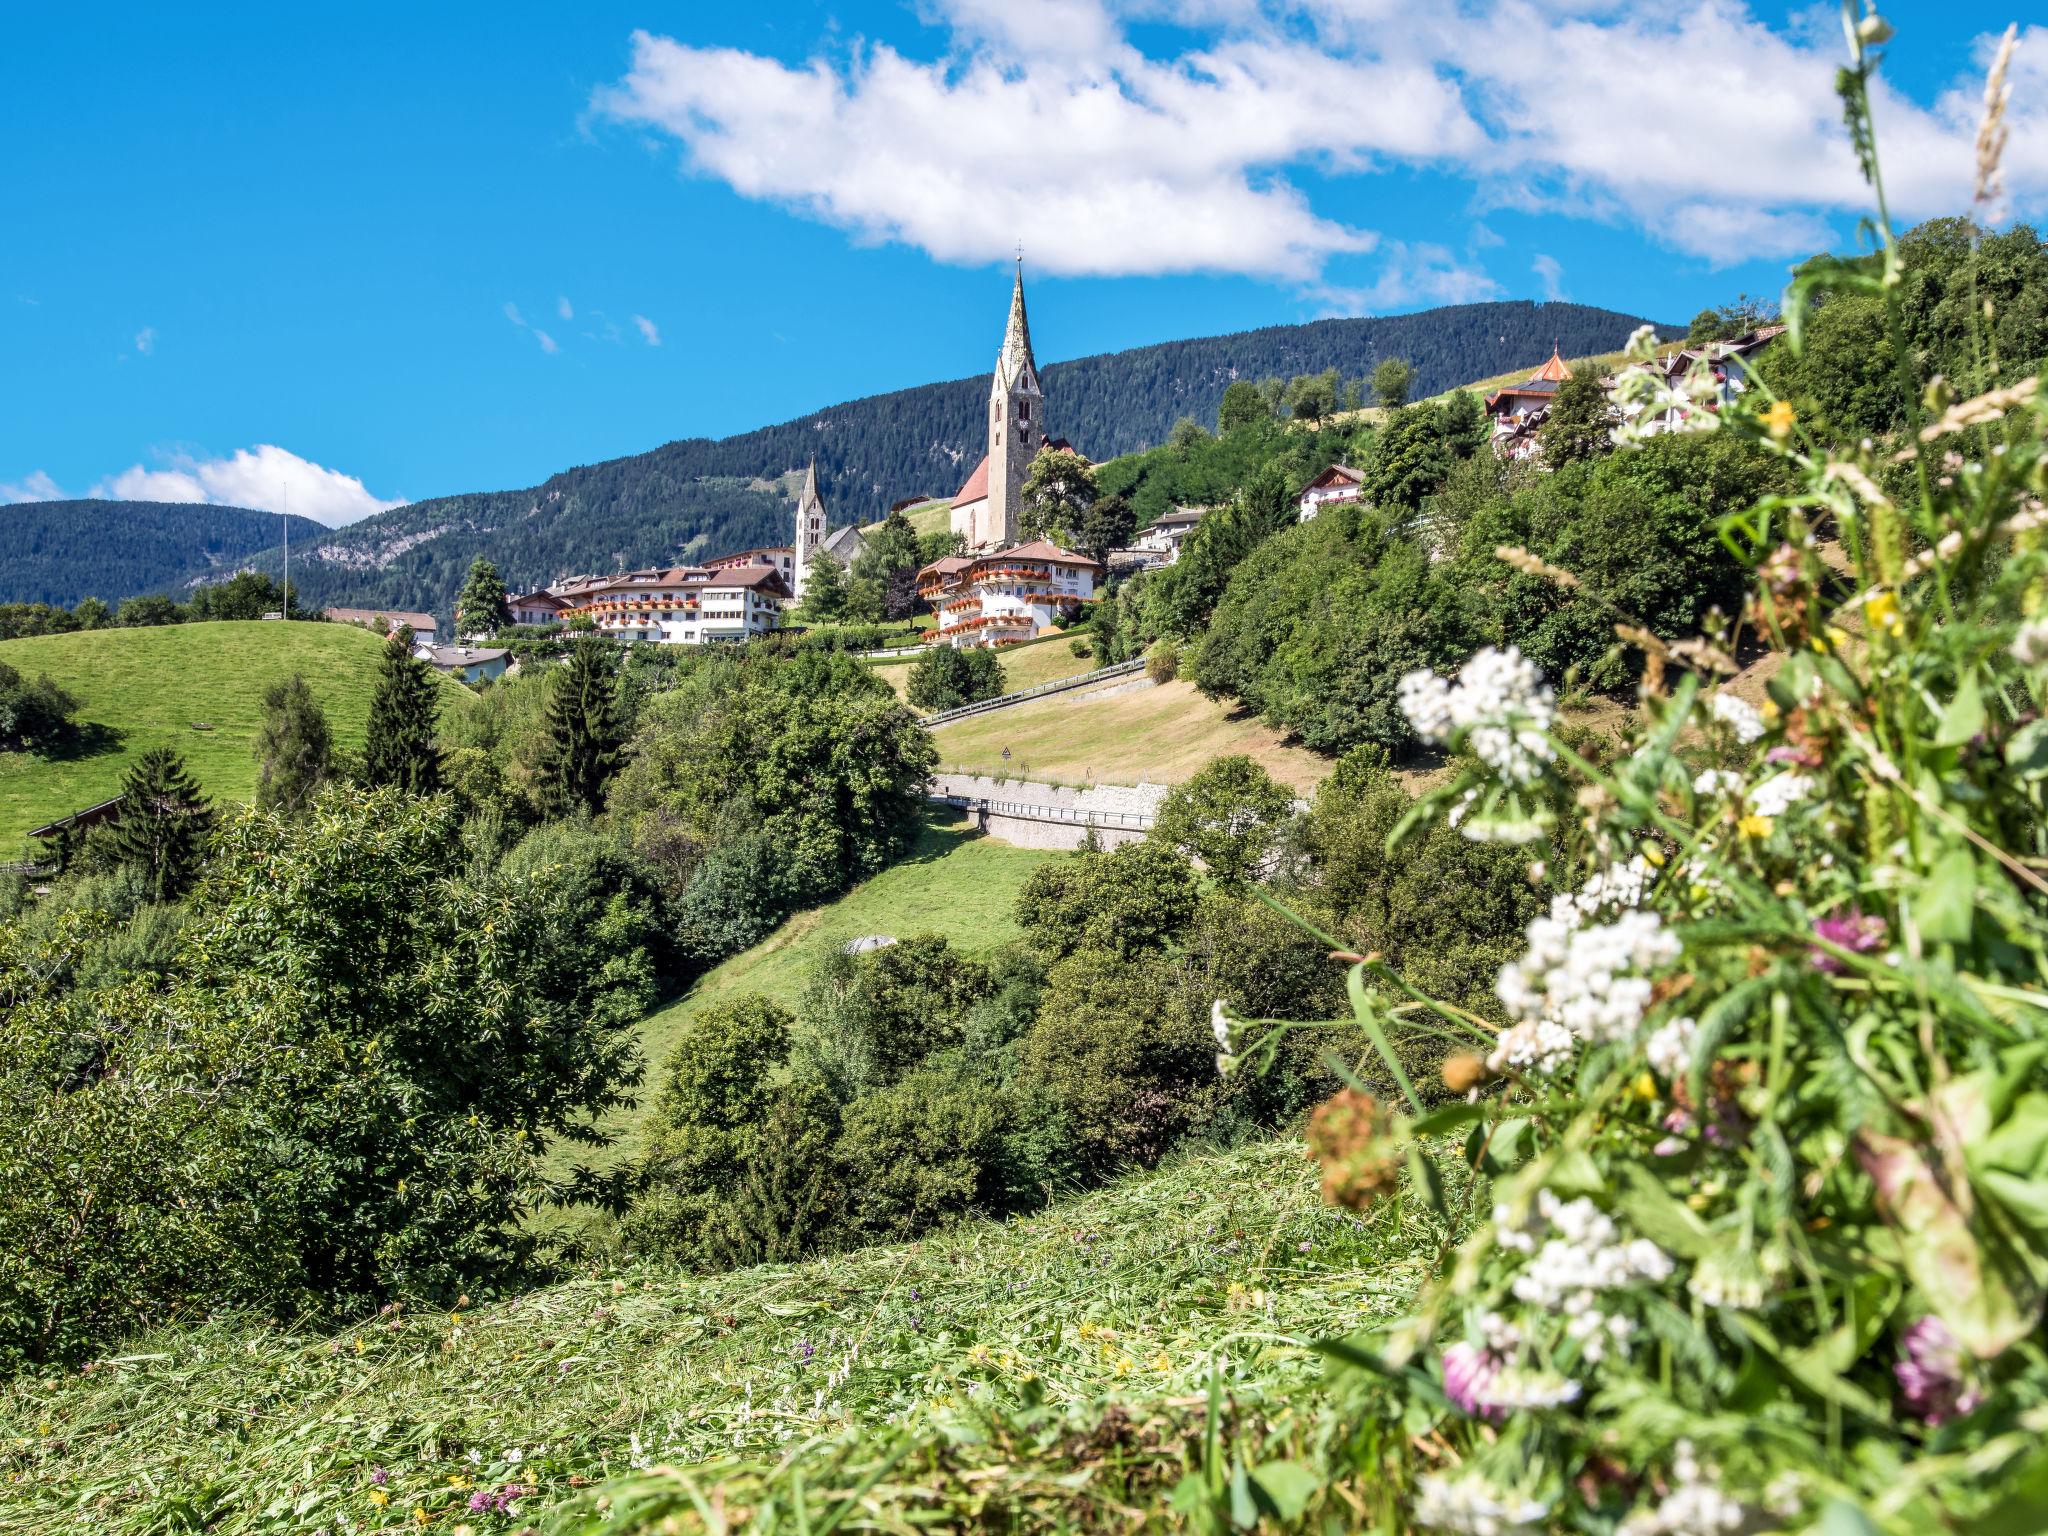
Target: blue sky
[[255, 248]]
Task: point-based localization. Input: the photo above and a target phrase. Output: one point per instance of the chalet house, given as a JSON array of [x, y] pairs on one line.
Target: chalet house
[[1006, 596], [473, 664], [386, 621], [781, 556], [1340, 482], [534, 609]]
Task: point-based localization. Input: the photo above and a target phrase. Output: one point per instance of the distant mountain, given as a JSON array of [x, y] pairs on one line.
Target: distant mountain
[[63, 551], [700, 497]]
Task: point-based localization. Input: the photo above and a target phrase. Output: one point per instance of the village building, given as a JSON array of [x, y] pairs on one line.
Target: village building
[[793, 561], [1159, 545], [684, 604], [1340, 482], [781, 556], [471, 663], [532, 610], [386, 621], [1007, 595]]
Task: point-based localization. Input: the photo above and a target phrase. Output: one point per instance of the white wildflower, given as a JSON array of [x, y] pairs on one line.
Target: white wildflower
[[1471, 1506], [1586, 1256], [1739, 715], [1778, 794], [1619, 885], [2030, 645], [1500, 706], [1695, 1506], [1533, 1047], [1531, 1389], [1730, 1278], [1716, 781], [514, 1456], [1598, 1332], [1219, 1026], [1641, 346], [1589, 980], [1670, 1047]]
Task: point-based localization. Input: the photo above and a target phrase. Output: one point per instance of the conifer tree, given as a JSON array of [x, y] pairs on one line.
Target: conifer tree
[[164, 824], [824, 589], [1392, 383], [294, 748], [585, 733], [399, 750], [481, 607], [1581, 421]]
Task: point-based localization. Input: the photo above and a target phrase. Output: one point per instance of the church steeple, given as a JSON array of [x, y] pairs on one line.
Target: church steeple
[[1014, 364], [810, 529], [1016, 427]]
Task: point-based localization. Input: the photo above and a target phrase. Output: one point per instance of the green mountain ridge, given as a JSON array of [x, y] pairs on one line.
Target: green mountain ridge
[[62, 551]]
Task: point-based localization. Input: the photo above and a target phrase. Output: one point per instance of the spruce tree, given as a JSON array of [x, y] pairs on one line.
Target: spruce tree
[[294, 748], [164, 824], [585, 733], [399, 750], [1581, 422], [481, 608]]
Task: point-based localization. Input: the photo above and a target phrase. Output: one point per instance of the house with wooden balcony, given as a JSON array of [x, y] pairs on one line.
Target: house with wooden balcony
[[1007, 596]]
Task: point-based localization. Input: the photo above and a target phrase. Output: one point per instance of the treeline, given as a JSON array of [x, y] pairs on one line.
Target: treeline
[[245, 595], [60, 552]]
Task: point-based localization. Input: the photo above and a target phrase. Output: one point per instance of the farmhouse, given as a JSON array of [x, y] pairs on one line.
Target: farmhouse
[[473, 664], [1340, 482]]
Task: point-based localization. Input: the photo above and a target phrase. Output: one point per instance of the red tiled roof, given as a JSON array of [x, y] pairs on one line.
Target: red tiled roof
[[1040, 549], [946, 565], [1556, 371], [750, 576], [976, 488], [1335, 474], [746, 557], [377, 618]]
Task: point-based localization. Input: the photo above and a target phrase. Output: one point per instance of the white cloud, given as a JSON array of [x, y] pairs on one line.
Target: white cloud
[[564, 308], [145, 340], [649, 331], [34, 486], [547, 342], [1409, 276], [1550, 276], [1704, 126], [266, 477]]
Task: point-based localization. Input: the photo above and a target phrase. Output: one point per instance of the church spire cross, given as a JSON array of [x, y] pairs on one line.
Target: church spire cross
[[1016, 358]]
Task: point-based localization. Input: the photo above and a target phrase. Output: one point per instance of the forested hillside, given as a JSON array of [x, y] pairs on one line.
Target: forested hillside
[[62, 551], [699, 497]]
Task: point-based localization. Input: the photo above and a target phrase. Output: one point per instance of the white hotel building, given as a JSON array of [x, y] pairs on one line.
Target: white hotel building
[[685, 605]]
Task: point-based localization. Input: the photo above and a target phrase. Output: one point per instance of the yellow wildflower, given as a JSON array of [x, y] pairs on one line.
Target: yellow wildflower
[[1086, 1330], [1161, 1363], [1779, 418], [1655, 855], [420, 1515], [1754, 825], [1123, 1366], [359, 1346], [379, 1497], [1882, 612], [458, 1482], [1645, 1087]]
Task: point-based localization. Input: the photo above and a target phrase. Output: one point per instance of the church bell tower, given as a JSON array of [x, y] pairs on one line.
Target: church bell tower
[[1016, 424], [810, 530]]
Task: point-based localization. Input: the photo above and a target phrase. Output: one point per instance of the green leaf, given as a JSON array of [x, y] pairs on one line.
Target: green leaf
[[1963, 720], [1449, 1118], [1287, 1486], [1945, 902], [1663, 1220], [2011, 1165], [2023, 1496], [1841, 1518], [1809, 1373], [2027, 753]]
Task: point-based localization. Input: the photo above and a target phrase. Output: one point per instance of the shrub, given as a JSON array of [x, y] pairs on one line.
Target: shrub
[[1230, 816], [1080, 648], [1123, 1054], [1162, 661], [918, 1154], [945, 678], [1132, 899], [874, 1017], [35, 714]]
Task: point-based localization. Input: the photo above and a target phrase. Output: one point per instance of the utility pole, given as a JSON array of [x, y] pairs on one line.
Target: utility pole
[[287, 514]]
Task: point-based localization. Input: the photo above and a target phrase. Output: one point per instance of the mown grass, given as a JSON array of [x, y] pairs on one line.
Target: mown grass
[[1161, 735], [1102, 1323], [953, 881], [144, 688]]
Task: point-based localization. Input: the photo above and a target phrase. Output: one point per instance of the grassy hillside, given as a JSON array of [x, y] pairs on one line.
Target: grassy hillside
[[1110, 1310], [148, 688], [952, 882], [1161, 735], [1024, 666]]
